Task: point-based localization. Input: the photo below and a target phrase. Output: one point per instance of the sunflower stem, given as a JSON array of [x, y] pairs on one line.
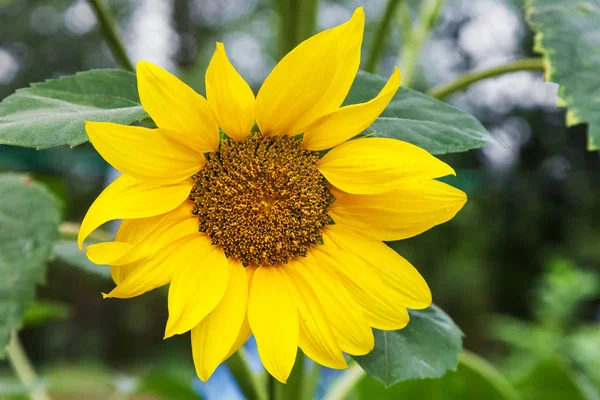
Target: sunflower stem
[[344, 385], [310, 382], [24, 370], [248, 381], [272, 388], [379, 40], [293, 389], [411, 50], [464, 81], [112, 37]]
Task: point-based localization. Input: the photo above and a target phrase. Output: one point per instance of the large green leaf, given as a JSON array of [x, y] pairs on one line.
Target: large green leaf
[[475, 378], [52, 113], [28, 228], [427, 348], [567, 36], [419, 119]]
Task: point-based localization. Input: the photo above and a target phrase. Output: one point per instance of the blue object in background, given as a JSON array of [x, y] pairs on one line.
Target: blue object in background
[[222, 385]]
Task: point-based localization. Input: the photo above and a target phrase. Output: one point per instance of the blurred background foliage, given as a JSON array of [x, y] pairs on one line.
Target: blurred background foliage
[[517, 269]]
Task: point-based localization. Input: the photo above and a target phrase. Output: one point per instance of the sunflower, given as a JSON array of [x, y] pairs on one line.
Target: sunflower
[[262, 214]]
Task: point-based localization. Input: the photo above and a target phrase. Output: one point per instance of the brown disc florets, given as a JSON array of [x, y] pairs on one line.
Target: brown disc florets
[[262, 200]]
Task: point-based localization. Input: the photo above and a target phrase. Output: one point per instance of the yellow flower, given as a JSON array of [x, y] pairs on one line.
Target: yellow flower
[[260, 233]]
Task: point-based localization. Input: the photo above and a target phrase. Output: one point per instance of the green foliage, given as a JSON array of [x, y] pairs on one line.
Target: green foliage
[[562, 291], [52, 113], [553, 380], [29, 221], [427, 348], [167, 386], [474, 378], [67, 251], [419, 119], [554, 340], [584, 346], [41, 312], [566, 36]]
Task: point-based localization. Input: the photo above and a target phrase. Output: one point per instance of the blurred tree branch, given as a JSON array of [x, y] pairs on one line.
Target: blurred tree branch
[[379, 40], [411, 49], [24, 370], [526, 64], [112, 37]]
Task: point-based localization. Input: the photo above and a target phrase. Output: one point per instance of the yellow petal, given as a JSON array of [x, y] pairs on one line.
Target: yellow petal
[[407, 211], [157, 270], [131, 231], [104, 253], [348, 322], [382, 306], [145, 154], [311, 80], [198, 285], [245, 331], [172, 226], [129, 198], [243, 336], [378, 165], [316, 338], [174, 105], [345, 123], [229, 96], [217, 333], [393, 269], [273, 317], [120, 272]]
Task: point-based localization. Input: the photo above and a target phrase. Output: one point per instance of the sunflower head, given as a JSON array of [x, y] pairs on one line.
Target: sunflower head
[[262, 200], [262, 214]]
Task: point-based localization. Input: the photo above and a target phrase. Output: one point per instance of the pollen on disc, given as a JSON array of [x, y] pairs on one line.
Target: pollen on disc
[[262, 200]]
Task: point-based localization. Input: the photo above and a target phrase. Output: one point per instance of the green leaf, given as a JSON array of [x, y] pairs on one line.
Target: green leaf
[[416, 118], [427, 348], [41, 312], [67, 251], [553, 380], [28, 228], [567, 36], [475, 378], [53, 113]]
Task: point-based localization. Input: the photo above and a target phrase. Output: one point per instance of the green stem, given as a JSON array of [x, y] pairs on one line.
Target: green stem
[[307, 24], [110, 33], [24, 370], [526, 64], [378, 42], [249, 382], [411, 51], [292, 390], [343, 386], [405, 22], [297, 22], [272, 388], [310, 382]]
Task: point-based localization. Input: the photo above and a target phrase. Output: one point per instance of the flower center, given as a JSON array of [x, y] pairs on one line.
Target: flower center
[[263, 200]]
